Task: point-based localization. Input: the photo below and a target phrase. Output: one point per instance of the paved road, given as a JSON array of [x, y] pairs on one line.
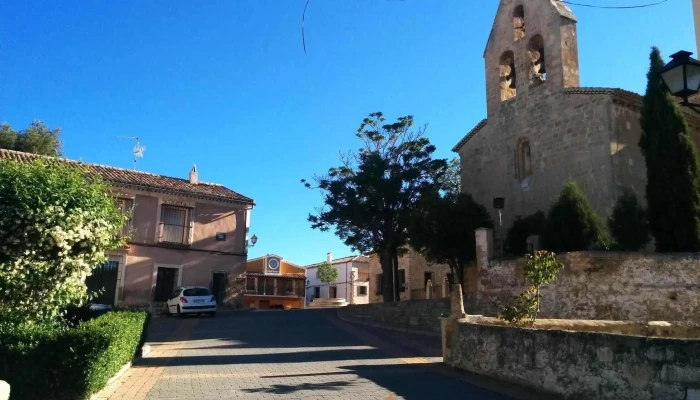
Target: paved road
[[300, 354]]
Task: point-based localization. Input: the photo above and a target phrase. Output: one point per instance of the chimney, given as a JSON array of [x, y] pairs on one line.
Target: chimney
[[193, 175], [329, 258]]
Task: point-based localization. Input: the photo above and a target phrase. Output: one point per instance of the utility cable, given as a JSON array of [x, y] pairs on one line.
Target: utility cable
[[614, 7]]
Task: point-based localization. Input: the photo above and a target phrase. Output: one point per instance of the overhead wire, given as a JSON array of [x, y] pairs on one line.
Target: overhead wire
[[614, 7], [303, 16]]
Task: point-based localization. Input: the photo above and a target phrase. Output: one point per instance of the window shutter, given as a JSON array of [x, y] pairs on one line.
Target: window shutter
[[190, 237]]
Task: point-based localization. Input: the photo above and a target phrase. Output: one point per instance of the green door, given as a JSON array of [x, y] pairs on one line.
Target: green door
[[103, 283]]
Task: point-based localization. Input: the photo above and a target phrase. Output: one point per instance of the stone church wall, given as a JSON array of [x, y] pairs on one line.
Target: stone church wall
[[569, 138]]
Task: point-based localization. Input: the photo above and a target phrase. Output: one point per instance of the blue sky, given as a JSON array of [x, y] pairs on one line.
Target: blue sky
[[225, 84]]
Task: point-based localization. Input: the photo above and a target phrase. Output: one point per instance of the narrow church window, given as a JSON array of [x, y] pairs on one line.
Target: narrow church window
[[523, 160], [535, 52], [518, 23], [507, 75]]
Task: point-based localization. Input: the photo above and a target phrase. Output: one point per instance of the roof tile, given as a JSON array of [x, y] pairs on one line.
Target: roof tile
[[289, 275], [143, 180]]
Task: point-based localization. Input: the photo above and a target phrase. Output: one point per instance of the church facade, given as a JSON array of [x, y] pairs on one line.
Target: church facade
[[542, 129]]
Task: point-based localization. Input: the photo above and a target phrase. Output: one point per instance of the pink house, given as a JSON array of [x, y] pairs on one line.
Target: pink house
[[182, 232]]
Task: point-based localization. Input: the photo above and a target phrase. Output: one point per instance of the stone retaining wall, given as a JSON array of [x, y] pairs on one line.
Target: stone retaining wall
[[577, 365], [597, 285], [420, 315]]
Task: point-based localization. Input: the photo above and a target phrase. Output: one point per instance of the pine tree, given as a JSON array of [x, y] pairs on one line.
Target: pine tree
[[673, 171]]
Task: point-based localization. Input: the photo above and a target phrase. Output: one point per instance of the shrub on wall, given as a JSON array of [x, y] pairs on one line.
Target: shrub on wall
[[63, 363], [573, 225], [541, 268], [516, 239], [628, 223]]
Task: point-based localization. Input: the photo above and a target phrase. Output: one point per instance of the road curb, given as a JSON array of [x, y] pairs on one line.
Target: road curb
[[145, 349], [385, 326]]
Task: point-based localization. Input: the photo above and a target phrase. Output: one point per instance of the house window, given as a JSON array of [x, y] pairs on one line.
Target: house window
[[523, 160], [427, 276], [288, 286], [362, 290], [125, 206], [269, 286], [175, 224], [380, 284], [508, 81], [250, 284], [402, 280]]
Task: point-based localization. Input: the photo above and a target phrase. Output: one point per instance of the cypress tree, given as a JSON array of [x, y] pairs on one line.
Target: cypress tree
[[673, 171], [573, 225]]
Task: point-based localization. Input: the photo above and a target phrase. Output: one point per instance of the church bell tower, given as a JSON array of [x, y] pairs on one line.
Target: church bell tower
[[532, 46]]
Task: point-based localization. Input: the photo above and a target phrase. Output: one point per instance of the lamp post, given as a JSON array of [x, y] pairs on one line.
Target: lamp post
[[682, 77], [499, 203], [253, 240]]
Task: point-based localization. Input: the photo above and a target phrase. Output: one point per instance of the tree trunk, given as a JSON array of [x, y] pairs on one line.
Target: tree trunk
[[385, 260], [395, 264]]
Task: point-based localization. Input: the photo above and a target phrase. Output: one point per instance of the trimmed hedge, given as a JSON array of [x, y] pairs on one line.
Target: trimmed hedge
[[64, 363]]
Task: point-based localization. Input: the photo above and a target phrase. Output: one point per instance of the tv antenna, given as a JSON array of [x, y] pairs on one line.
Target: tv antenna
[[137, 151]]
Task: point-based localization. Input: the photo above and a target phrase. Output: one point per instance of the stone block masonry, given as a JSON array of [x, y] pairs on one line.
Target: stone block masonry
[[420, 315], [579, 365], [598, 285]]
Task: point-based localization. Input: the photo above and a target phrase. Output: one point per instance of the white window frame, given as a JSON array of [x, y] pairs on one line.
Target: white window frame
[[121, 273]]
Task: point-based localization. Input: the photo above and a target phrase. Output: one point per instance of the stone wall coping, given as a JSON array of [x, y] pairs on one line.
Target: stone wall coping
[[651, 329]]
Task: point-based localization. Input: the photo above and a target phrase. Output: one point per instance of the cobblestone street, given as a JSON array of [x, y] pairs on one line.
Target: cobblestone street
[[304, 354]]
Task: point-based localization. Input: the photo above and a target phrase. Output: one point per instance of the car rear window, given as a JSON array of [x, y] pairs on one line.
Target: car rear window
[[197, 292]]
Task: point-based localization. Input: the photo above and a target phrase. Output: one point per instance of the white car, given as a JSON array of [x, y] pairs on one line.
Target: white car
[[191, 300]]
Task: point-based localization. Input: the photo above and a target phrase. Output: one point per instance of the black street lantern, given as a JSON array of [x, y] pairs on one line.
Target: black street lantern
[[254, 240], [682, 77]]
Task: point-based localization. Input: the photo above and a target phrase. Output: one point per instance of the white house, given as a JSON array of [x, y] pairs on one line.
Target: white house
[[352, 284]]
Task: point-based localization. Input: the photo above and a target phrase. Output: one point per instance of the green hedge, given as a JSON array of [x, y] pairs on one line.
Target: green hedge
[[66, 363]]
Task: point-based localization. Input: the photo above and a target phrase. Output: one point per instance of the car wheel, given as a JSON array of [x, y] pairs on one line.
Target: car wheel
[[179, 312], [212, 314]]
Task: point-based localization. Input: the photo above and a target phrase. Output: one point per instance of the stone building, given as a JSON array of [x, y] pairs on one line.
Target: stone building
[[414, 273], [541, 127]]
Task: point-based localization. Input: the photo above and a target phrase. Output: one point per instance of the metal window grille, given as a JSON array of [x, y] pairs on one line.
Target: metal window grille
[[175, 224]]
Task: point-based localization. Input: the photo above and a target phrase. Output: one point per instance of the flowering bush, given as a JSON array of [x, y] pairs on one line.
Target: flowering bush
[[56, 224]]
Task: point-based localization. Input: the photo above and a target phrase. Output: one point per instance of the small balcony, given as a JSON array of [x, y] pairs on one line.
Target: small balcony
[[363, 276], [279, 287]]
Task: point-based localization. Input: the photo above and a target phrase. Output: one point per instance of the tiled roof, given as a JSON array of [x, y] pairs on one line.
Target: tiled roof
[[275, 256], [121, 177], [603, 90], [293, 275], [624, 95], [469, 135], [360, 259]]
